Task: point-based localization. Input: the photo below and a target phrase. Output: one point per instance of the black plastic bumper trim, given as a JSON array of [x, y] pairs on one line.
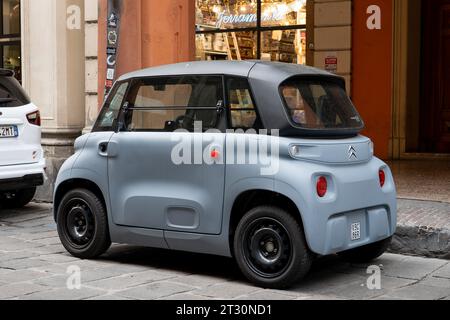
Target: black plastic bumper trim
[[28, 181]]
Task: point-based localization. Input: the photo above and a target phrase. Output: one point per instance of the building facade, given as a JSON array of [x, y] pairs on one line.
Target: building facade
[[10, 37], [394, 55]]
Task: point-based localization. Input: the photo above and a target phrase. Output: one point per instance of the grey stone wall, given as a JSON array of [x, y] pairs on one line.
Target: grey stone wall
[[56, 154]]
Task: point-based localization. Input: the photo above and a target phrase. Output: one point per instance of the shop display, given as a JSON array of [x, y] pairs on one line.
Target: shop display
[[227, 30]]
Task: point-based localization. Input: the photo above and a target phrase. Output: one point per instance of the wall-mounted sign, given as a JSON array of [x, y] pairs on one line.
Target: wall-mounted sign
[[110, 74], [331, 63], [374, 19], [111, 60], [113, 20], [112, 37]]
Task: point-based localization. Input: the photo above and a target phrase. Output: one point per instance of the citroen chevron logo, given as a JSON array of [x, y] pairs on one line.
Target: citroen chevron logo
[[352, 153]]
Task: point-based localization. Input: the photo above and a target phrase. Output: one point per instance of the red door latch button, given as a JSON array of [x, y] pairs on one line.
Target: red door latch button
[[215, 154]]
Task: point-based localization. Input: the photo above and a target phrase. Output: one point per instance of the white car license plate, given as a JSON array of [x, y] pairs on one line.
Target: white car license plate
[[356, 231], [8, 132]]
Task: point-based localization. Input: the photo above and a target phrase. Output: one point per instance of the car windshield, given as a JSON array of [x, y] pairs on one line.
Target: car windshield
[[11, 93], [319, 105]]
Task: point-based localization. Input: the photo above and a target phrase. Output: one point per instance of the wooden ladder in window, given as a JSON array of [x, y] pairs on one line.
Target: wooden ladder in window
[[234, 53]]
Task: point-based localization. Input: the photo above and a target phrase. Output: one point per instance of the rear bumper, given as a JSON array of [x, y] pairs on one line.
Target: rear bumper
[[354, 198], [22, 176], [374, 225], [28, 181]]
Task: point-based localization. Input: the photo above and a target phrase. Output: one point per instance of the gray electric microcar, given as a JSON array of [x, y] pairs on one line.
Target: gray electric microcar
[[259, 161]]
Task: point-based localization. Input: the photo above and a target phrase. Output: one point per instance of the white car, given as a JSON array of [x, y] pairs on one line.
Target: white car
[[22, 162]]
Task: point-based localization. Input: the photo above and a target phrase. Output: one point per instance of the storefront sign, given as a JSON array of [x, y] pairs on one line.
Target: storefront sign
[[248, 18], [331, 63], [113, 25]]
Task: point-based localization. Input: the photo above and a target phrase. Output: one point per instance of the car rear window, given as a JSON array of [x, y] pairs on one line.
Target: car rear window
[[11, 93], [320, 105]]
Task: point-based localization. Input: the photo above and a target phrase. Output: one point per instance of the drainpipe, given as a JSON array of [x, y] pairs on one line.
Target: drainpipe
[[112, 42]]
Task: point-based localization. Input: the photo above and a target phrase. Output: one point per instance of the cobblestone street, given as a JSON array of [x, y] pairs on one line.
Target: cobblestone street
[[34, 265]]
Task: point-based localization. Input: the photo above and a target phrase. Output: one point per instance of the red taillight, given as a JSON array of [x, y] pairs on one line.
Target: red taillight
[[382, 176], [34, 118], [322, 187]]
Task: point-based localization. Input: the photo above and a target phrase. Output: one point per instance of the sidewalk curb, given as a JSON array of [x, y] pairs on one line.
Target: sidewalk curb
[[421, 241]]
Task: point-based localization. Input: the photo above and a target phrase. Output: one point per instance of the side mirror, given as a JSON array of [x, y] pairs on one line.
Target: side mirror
[[121, 122]]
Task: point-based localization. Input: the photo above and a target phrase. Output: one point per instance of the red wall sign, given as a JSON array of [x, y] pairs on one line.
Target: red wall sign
[[331, 63]]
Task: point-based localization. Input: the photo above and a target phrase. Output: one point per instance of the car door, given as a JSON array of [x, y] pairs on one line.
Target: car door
[[165, 171]]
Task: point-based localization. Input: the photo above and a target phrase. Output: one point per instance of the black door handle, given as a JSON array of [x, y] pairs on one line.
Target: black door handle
[[103, 148]]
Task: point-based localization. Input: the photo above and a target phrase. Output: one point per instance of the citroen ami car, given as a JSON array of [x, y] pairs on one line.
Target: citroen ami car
[[263, 162]]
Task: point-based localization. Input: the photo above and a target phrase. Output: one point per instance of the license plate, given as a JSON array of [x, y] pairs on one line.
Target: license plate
[[356, 231], [9, 132]]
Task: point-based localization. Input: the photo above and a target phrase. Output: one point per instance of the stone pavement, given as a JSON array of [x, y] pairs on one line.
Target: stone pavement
[[34, 265], [423, 229], [424, 207]]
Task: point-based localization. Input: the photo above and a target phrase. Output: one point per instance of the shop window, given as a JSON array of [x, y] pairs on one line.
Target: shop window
[[10, 37], [278, 13], [12, 59], [284, 46], [227, 46], [271, 30], [11, 17], [225, 14]]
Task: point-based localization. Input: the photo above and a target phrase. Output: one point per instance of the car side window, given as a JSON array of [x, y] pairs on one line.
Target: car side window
[[166, 104], [243, 114], [110, 112]]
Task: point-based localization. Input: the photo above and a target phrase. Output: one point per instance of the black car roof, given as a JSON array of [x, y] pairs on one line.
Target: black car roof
[[265, 79], [275, 70]]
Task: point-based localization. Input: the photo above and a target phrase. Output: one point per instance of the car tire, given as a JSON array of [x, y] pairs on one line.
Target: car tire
[[18, 199], [270, 248], [83, 224], [367, 253]]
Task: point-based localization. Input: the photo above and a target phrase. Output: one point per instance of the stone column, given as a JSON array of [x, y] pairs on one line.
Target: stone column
[[54, 76]]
